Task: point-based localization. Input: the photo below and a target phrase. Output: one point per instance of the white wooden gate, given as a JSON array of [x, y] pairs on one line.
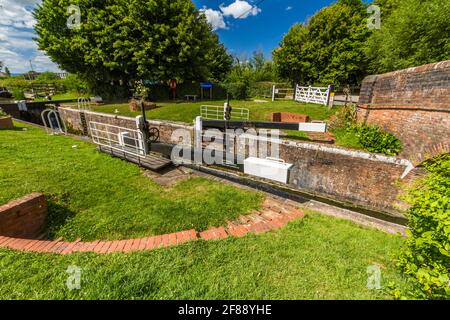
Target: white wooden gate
[[319, 95]]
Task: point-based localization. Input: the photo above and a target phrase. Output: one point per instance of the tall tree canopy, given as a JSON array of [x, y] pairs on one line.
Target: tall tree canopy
[[131, 39], [329, 48], [413, 32]]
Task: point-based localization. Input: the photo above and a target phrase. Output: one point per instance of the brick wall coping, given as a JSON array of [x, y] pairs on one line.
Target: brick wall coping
[[274, 214], [133, 119], [400, 107]]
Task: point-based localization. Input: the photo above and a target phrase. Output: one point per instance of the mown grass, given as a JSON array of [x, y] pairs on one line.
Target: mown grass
[[317, 257], [94, 196], [187, 111]]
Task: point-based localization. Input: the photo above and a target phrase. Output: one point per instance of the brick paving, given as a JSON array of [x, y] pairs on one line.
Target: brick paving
[[273, 214]]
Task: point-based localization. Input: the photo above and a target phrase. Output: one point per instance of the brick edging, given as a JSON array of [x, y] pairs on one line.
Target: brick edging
[[273, 215]]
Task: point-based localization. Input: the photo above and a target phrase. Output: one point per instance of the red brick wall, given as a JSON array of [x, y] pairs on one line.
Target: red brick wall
[[289, 117], [24, 217], [413, 104]]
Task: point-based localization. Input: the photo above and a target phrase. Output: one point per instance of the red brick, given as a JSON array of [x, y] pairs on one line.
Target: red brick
[[150, 244], [165, 240], [128, 244], [172, 239]]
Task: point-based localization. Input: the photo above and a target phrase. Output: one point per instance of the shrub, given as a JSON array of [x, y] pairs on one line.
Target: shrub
[[374, 139], [18, 94], [47, 77], [74, 84], [3, 113], [238, 90], [344, 117], [426, 256]]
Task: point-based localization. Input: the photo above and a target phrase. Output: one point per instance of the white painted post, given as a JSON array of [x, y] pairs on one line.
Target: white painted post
[[198, 145], [273, 92]]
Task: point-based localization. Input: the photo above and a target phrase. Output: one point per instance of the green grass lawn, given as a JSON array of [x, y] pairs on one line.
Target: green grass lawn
[[317, 257], [94, 196], [187, 111]]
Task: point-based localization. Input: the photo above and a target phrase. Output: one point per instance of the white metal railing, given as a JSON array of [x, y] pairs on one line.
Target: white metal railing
[[118, 138], [218, 113], [310, 94], [84, 104], [53, 123]]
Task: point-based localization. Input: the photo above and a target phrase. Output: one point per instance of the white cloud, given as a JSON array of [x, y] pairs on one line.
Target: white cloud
[[215, 18], [17, 46], [17, 13], [240, 9], [289, 8]]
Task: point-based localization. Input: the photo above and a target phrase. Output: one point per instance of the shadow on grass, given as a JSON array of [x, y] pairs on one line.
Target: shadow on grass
[[57, 217]]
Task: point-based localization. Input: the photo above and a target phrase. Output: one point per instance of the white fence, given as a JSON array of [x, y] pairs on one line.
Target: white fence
[[319, 95], [117, 138], [218, 113]]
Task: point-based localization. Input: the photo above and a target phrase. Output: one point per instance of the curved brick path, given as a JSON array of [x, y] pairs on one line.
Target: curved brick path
[[273, 214]]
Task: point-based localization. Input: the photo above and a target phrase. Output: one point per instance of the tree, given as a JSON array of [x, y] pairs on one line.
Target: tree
[[1, 65], [119, 41], [414, 32], [219, 61], [329, 48], [8, 73]]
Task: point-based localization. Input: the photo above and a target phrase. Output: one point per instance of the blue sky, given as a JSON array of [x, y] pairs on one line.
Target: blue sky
[[264, 28], [243, 26]]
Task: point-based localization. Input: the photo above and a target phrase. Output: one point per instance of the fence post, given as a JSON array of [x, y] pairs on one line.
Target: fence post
[[330, 98], [273, 92]]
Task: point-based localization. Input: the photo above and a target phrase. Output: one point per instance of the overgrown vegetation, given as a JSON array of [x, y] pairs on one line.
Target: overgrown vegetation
[[426, 257], [368, 137], [374, 139]]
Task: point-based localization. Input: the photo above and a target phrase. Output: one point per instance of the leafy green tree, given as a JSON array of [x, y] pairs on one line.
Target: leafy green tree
[[415, 32], [219, 61], [329, 48], [8, 73], [119, 41]]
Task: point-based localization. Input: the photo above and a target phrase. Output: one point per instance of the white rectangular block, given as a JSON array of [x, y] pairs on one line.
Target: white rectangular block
[[312, 127], [276, 170]]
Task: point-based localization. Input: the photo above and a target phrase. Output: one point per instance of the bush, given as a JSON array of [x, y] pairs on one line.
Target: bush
[[3, 113], [18, 94], [374, 139], [345, 117], [238, 90], [426, 257]]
